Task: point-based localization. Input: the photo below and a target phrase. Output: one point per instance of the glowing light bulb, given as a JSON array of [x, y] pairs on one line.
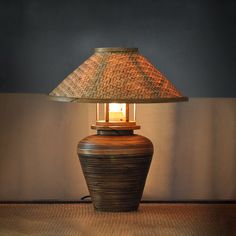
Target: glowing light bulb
[[117, 112]]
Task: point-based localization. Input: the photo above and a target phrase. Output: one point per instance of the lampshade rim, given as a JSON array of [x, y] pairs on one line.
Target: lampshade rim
[[116, 49], [90, 100]]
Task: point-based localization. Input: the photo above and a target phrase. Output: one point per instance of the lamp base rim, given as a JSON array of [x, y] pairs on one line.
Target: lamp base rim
[[115, 127]]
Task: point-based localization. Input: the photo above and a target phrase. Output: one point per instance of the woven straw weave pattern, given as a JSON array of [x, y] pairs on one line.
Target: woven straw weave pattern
[[117, 76], [150, 220]]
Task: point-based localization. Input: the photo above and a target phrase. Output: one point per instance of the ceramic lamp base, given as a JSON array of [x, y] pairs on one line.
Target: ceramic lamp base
[[115, 165]]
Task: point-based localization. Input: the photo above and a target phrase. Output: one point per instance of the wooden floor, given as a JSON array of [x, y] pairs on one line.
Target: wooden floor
[[151, 219]]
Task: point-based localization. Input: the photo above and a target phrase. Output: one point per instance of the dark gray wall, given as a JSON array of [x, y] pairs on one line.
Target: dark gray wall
[[191, 42]]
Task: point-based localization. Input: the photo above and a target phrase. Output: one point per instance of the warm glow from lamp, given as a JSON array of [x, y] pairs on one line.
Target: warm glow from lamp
[[117, 112]]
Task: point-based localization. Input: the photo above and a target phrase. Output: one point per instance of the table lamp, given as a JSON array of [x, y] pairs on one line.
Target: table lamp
[[115, 161]]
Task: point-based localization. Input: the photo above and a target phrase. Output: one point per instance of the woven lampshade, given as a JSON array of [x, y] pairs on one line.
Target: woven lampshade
[[117, 75]]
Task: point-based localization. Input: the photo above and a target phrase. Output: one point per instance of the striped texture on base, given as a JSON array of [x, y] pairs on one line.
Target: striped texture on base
[[115, 169]]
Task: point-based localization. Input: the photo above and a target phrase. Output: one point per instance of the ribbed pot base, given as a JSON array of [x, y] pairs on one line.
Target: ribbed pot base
[[115, 168]]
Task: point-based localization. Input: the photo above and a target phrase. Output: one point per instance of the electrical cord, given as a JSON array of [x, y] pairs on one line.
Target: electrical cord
[[84, 197]]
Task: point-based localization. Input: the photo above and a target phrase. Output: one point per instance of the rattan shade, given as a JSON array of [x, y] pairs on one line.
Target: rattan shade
[[117, 75]]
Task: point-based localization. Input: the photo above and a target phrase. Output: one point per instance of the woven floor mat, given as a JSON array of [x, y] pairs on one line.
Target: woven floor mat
[[151, 219]]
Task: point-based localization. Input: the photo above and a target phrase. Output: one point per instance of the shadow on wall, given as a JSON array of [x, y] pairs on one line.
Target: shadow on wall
[[195, 148], [38, 142]]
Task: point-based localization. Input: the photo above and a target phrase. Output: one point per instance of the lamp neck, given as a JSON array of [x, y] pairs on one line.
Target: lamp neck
[[115, 132]]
